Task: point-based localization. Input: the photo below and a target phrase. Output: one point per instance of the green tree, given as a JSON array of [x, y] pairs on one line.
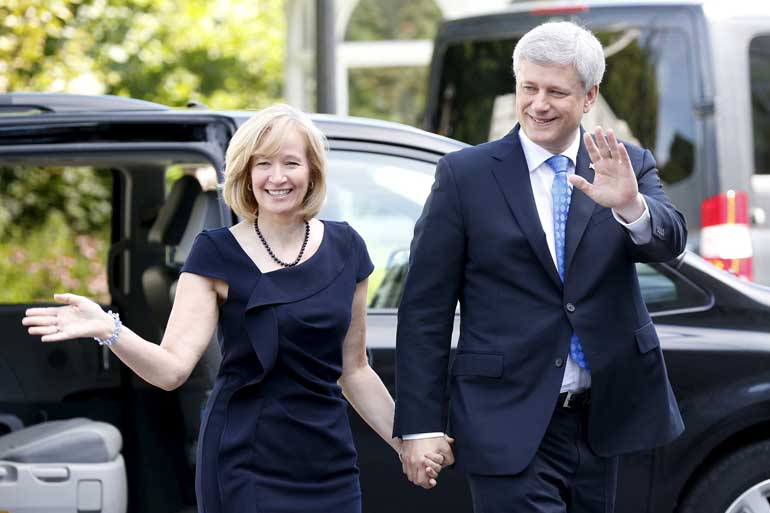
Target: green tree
[[397, 94], [638, 105], [395, 19], [55, 222], [224, 54], [81, 196]]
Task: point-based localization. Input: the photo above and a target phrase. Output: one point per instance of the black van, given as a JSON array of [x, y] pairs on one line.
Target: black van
[[689, 79], [133, 183]]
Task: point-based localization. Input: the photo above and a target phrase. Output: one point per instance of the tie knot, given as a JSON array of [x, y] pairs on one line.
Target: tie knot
[[558, 163]]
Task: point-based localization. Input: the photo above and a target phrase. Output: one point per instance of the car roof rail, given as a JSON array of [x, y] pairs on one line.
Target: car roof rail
[[17, 104]]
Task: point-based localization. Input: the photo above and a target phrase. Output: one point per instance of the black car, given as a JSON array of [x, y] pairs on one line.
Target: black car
[[152, 160]]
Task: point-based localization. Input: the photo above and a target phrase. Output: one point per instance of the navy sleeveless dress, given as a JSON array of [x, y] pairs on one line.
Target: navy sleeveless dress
[[275, 436]]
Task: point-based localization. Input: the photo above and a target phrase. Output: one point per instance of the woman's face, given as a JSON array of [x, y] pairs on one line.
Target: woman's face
[[280, 182]]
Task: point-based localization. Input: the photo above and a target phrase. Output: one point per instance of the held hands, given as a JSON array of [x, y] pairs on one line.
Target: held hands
[[423, 459], [81, 317], [615, 183]]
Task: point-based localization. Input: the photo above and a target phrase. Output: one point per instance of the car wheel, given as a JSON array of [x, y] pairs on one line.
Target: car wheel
[[738, 483]]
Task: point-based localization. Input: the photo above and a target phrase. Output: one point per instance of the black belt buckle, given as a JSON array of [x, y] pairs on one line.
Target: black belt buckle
[[573, 399]]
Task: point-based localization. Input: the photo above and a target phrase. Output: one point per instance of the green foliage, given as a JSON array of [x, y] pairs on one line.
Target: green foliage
[[474, 75], [173, 174], [396, 94], [28, 195], [394, 19], [52, 257], [637, 105], [54, 232], [54, 224], [223, 54]]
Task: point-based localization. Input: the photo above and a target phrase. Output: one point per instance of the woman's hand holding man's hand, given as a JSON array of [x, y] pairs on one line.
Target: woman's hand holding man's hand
[[422, 459]]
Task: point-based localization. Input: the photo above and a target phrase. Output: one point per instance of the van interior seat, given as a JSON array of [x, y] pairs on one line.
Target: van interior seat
[[76, 440], [63, 465], [186, 211]]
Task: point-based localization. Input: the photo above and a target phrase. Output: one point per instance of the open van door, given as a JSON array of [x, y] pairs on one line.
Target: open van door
[[83, 186]]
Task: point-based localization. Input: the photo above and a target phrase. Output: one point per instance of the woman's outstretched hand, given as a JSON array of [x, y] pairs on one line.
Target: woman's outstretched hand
[[79, 318]]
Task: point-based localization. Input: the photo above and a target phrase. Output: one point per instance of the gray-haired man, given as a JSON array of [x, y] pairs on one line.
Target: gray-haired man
[[558, 367]]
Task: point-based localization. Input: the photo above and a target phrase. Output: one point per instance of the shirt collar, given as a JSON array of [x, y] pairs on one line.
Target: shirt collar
[[536, 155]]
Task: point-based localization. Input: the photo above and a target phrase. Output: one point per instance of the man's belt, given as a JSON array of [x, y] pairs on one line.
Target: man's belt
[[574, 399]]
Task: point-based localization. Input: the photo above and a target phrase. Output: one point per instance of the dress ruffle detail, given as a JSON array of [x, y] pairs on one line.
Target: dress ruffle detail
[[289, 285]]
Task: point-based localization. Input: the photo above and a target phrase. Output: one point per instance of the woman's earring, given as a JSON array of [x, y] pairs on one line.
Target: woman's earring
[[312, 184], [248, 186]]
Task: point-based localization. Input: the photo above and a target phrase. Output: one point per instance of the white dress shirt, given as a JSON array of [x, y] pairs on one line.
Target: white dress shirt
[[541, 177]]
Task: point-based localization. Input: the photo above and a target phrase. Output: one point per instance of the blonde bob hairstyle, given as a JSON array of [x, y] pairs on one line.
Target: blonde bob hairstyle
[[263, 134]]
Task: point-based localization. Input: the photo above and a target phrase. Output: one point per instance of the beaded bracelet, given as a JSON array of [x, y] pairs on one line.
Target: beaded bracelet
[[115, 332]]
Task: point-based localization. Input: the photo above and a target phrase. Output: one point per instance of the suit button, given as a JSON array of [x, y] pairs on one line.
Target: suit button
[[570, 307], [559, 362]]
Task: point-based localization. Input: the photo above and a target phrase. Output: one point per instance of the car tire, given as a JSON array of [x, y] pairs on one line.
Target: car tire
[[731, 483]]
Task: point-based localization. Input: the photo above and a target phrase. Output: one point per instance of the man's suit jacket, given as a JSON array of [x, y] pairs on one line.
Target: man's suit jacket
[[479, 240]]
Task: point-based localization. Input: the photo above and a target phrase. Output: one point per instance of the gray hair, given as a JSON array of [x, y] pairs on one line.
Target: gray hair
[[560, 43]]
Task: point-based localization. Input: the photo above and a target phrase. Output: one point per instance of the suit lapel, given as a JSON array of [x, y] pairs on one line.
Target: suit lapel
[[581, 207], [512, 174]]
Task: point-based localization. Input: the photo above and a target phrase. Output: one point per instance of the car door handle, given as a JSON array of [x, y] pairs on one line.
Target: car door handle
[[51, 474]]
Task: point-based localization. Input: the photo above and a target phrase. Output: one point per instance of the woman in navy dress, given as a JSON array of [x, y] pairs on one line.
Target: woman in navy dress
[[287, 293]]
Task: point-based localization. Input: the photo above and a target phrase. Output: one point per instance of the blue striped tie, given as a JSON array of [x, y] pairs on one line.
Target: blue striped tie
[[561, 199]]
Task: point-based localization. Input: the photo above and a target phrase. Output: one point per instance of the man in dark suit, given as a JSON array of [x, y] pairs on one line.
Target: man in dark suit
[[558, 367]]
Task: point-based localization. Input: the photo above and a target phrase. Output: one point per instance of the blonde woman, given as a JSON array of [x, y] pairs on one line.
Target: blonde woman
[[288, 294]]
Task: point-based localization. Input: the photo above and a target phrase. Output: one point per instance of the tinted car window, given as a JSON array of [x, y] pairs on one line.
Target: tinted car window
[[759, 55], [381, 196], [664, 290], [476, 100]]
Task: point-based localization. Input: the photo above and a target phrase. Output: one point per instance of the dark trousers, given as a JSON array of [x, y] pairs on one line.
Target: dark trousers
[[565, 476]]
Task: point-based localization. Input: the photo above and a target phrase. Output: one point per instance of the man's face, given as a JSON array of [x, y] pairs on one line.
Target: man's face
[[550, 102]]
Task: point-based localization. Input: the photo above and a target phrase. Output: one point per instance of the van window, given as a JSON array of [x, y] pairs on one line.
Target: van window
[[664, 290], [759, 55], [381, 196], [645, 96]]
